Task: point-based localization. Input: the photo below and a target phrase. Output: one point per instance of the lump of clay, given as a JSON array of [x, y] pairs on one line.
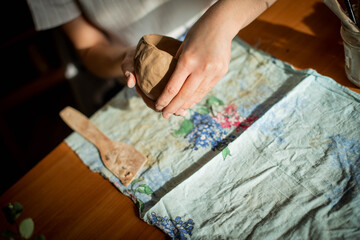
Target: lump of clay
[[154, 63]]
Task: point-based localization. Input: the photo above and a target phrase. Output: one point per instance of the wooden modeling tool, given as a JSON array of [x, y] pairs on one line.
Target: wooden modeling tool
[[123, 160]]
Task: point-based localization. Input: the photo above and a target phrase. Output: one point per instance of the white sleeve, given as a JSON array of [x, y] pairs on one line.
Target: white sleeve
[[52, 13]]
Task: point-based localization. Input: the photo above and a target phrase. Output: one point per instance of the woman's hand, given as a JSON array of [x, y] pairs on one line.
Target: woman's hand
[[127, 66], [205, 54], [203, 60]]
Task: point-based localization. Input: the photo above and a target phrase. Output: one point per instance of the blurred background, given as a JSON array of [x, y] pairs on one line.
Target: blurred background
[[40, 75]]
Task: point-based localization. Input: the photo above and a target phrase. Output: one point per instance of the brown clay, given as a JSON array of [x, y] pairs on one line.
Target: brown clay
[[154, 63]]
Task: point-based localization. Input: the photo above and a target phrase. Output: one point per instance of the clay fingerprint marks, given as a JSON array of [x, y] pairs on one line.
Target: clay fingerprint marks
[[154, 63], [124, 162]]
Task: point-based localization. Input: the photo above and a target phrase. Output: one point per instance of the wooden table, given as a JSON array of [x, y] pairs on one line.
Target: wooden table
[[68, 201]]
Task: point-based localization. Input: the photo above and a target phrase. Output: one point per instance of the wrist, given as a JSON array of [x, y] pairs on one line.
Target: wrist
[[234, 15]]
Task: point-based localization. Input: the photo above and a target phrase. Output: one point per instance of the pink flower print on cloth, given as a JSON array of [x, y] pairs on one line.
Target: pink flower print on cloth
[[229, 117]]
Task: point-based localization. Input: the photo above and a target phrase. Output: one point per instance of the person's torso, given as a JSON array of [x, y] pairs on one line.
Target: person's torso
[[129, 20]]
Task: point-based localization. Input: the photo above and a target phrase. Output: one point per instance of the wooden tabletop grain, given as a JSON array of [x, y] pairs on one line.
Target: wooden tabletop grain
[[68, 201]]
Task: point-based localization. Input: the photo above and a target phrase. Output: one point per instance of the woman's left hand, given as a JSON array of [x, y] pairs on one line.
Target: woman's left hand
[[205, 53], [204, 57]]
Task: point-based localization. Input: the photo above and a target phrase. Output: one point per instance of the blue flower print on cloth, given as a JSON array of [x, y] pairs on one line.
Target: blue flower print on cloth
[[206, 132], [176, 229]]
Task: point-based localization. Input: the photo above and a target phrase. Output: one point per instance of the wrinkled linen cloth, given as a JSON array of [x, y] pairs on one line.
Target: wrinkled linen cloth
[[271, 152]]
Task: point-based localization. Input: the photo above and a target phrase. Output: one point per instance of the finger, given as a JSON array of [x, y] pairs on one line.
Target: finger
[[179, 51], [186, 93], [127, 67], [181, 112], [128, 64], [199, 95], [205, 87], [173, 87]]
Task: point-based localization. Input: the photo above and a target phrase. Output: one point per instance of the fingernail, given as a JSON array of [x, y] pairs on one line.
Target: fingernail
[[158, 107], [180, 112], [184, 113], [166, 115], [131, 83]]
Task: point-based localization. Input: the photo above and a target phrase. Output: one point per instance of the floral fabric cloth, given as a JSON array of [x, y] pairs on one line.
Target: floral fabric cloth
[[271, 152]]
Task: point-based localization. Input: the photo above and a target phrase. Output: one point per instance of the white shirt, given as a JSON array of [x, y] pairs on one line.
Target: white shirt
[[127, 20]]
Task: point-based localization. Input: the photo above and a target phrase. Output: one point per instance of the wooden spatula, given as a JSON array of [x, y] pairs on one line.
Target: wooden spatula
[[123, 160]]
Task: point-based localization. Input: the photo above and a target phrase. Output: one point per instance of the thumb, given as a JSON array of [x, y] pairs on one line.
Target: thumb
[[128, 70], [130, 79]]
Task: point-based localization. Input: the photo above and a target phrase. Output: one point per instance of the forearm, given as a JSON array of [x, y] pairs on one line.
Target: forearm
[[100, 56], [103, 60], [230, 16]]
